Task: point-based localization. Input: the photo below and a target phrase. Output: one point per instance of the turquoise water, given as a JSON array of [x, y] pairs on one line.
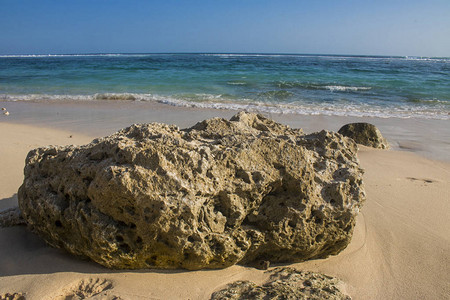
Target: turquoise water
[[402, 87]]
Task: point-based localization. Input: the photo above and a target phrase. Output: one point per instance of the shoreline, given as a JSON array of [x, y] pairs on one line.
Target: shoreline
[[427, 137], [399, 248]]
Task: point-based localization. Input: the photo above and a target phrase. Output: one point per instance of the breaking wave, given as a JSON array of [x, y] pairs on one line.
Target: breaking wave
[[210, 101], [314, 86]]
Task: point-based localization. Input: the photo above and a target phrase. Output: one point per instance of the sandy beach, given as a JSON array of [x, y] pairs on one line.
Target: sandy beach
[[400, 248]]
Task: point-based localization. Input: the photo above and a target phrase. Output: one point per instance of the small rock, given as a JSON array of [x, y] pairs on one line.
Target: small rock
[[12, 296], [286, 283], [3, 108], [262, 265], [365, 134], [11, 217], [6, 113]]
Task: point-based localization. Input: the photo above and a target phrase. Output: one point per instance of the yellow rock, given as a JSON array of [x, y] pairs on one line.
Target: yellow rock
[[245, 190]]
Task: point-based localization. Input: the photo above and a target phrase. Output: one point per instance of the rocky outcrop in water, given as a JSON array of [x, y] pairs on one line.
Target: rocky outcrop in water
[[246, 190], [365, 134], [286, 283]]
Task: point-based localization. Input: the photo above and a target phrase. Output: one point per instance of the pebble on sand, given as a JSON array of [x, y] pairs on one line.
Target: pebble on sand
[[6, 113]]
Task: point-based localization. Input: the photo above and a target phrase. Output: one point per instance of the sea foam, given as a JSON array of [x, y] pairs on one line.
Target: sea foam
[[210, 101]]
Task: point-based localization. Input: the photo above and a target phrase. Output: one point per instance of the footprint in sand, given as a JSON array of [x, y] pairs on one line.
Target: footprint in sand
[[421, 179], [93, 288], [13, 296]]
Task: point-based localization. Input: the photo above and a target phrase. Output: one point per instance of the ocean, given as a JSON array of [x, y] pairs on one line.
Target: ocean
[[366, 86]]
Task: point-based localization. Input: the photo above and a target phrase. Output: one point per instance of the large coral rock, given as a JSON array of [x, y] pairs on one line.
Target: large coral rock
[[219, 193], [286, 283], [365, 134]]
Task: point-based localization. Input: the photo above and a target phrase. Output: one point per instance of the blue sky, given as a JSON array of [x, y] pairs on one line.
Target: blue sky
[[370, 27]]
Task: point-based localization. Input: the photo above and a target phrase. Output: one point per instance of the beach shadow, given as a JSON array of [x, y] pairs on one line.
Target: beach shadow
[[24, 253], [10, 202]]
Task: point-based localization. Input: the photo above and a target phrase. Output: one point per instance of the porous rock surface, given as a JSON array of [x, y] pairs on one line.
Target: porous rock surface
[[222, 192], [12, 296], [286, 283], [365, 134]]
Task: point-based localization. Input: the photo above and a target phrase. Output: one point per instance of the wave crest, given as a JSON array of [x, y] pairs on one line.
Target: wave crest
[[210, 101], [113, 96], [318, 86]]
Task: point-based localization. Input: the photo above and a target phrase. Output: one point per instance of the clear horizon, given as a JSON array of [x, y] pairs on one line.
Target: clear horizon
[[385, 28], [216, 53]]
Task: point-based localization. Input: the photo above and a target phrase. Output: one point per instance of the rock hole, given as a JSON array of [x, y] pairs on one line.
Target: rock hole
[[130, 210], [139, 240], [191, 239], [333, 202], [87, 180], [124, 247], [318, 216], [292, 224], [348, 228], [257, 177], [209, 175], [281, 204], [241, 245], [278, 166], [243, 175], [319, 238], [58, 223], [216, 246], [119, 238], [147, 210], [133, 226]]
